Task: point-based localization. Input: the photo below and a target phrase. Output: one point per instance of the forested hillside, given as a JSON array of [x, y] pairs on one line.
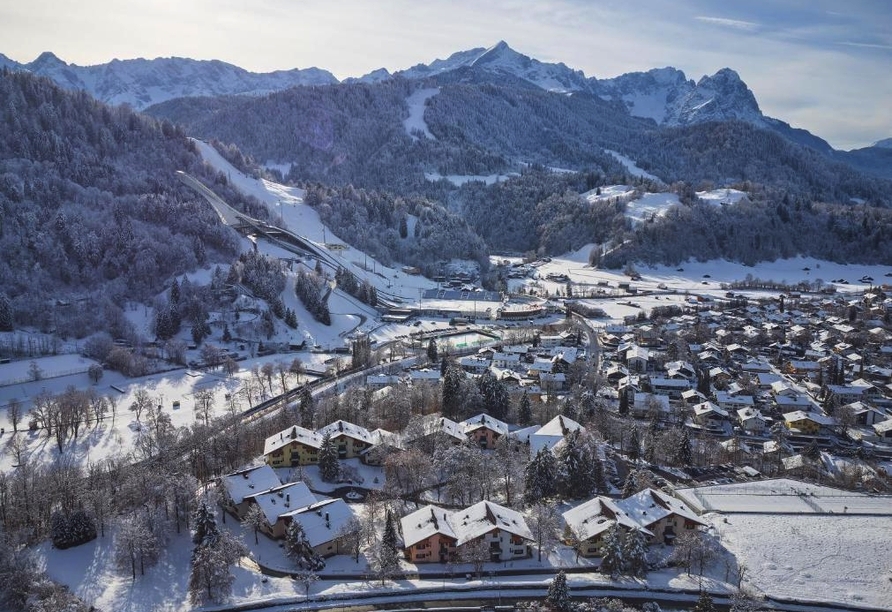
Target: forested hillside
[[91, 213]]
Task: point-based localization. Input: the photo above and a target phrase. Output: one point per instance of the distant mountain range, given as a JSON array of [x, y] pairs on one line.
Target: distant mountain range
[[141, 82], [664, 95]]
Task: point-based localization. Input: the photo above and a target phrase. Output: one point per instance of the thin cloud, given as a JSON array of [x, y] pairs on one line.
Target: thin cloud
[[736, 24], [866, 45]]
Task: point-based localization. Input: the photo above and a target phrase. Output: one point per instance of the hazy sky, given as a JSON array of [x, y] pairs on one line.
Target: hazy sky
[[822, 65]]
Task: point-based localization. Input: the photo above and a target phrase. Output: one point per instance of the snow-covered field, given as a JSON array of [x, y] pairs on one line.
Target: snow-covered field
[[721, 196], [415, 121], [631, 166], [650, 205], [609, 192], [783, 495], [675, 285], [460, 179], [119, 437], [841, 558], [804, 541]]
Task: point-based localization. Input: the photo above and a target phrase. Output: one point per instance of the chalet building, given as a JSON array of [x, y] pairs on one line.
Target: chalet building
[[733, 403], [752, 421], [280, 500], [293, 446], [710, 416], [239, 486], [670, 387], [883, 429], [657, 515], [484, 430], [351, 440], [808, 423], [432, 534], [323, 522]]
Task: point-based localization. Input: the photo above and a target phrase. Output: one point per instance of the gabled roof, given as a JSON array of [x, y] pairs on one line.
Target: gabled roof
[[483, 517], [705, 408], [649, 506], [484, 421], [425, 522], [283, 498], [640, 511], [346, 429], [294, 433], [322, 521], [245, 483]]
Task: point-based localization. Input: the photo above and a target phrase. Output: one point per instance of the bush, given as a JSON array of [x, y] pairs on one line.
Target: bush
[[71, 530]]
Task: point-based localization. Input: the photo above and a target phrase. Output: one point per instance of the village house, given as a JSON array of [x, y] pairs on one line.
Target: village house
[[710, 416], [484, 430], [351, 440], [431, 534], [280, 500], [752, 421], [658, 516], [323, 523], [293, 446], [808, 423], [244, 483]]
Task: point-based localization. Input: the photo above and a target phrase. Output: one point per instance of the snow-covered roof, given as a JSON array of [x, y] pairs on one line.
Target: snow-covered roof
[[346, 429], [283, 498], [597, 516], [425, 522], [799, 415], [483, 517], [323, 520], [294, 433], [704, 408], [245, 483], [484, 420], [649, 506]]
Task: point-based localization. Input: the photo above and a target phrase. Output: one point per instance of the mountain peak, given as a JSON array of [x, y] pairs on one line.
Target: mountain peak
[[501, 53], [47, 58], [885, 143]]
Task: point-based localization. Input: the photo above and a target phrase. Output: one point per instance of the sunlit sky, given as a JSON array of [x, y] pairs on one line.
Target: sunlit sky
[[822, 65]]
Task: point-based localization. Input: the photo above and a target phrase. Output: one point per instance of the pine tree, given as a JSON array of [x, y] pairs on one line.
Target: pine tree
[[576, 476], [540, 477], [612, 561], [525, 410], [634, 445], [635, 553], [206, 531], [432, 350], [623, 402], [175, 292], [683, 453], [404, 229], [452, 391], [558, 598], [631, 485], [298, 548], [6, 322], [389, 538], [704, 603], [329, 468]]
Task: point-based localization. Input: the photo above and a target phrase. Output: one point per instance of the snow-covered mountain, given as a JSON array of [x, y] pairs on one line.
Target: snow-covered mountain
[[501, 59], [885, 143], [669, 98], [141, 82]]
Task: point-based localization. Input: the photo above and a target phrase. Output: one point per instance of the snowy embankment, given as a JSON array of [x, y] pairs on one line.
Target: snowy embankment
[[287, 204]]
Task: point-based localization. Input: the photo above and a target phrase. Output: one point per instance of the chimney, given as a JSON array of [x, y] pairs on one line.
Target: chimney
[[288, 498]]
